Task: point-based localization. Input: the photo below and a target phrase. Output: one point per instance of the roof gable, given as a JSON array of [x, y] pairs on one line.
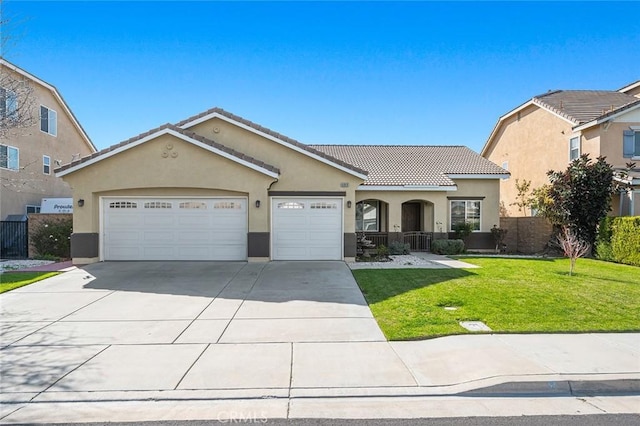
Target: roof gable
[[56, 95], [182, 134], [415, 166], [279, 138], [582, 106]]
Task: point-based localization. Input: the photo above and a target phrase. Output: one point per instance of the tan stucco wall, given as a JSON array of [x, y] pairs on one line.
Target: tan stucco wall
[[532, 145], [29, 185], [298, 172]]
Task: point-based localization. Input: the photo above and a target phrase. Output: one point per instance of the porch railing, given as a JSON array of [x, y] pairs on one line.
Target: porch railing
[[418, 240]]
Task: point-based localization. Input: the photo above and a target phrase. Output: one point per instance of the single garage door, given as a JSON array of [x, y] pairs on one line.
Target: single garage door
[[306, 229], [174, 229]]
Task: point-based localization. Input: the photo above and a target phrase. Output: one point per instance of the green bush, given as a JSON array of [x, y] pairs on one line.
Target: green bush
[[625, 240], [447, 246], [398, 247], [382, 251], [52, 239], [462, 230]]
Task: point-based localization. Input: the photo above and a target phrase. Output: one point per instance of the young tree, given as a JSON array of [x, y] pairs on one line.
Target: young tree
[[572, 246], [523, 199]]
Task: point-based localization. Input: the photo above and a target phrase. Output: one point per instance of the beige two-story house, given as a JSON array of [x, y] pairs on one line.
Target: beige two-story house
[[216, 186], [39, 133], [552, 129]]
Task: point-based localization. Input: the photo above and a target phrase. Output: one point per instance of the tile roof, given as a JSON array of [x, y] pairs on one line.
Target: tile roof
[[277, 135], [400, 165], [186, 133], [583, 106]]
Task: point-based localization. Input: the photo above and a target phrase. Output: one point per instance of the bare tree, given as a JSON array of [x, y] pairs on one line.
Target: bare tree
[[572, 246]]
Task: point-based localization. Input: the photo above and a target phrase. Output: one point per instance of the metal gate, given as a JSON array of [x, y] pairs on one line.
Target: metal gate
[[418, 240], [14, 239]]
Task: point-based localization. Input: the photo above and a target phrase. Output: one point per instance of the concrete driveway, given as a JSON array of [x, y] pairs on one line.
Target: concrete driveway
[[187, 325]]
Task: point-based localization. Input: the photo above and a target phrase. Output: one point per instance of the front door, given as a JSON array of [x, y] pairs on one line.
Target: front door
[[411, 217]]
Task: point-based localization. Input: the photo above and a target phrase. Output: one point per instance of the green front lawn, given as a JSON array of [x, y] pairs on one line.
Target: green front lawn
[[509, 295], [11, 280]]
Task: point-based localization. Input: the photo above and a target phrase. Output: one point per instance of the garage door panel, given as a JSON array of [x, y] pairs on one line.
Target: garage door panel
[[307, 228], [175, 229]]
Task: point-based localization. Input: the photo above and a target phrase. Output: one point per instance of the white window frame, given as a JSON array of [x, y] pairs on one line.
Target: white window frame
[[466, 213], [35, 208], [572, 138], [17, 165], [52, 117], [46, 165], [10, 100]]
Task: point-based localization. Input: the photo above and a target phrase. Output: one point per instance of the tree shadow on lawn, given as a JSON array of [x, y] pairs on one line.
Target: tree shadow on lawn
[[378, 285]]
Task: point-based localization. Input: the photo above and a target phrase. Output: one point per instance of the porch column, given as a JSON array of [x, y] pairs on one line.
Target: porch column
[[395, 221]]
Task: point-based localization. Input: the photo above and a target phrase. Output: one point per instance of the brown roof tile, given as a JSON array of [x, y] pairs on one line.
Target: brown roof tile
[[187, 133], [277, 135], [582, 106], [422, 165]]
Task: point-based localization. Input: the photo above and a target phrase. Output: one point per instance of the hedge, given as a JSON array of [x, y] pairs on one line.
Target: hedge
[[619, 240], [447, 246]]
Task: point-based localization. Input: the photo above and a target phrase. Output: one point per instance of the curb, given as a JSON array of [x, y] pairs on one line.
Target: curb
[[559, 388]]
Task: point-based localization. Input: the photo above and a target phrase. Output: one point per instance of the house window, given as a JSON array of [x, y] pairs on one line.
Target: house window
[[9, 157], [8, 103], [48, 121], [123, 205], [631, 143], [157, 205], [465, 211], [323, 205], [46, 164], [367, 215], [32, 209], [193, 205], [574, 148], [291, 205], [227, 205]]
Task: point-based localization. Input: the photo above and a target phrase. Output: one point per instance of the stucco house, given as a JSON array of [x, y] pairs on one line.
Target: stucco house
[[550, 130], [219, 187], [28, 155]]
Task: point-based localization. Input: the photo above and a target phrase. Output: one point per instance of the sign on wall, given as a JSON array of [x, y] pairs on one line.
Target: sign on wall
[[56, 205]]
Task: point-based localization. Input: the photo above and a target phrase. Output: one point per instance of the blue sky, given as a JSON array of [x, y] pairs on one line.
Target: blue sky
[[423, 73]]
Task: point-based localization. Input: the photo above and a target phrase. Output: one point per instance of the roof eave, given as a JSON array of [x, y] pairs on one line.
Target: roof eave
[[429, 188], [272, 138], [478, 175], [608, 117]]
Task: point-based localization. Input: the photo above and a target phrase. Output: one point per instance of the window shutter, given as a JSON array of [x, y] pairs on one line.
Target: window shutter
[[628, 144]]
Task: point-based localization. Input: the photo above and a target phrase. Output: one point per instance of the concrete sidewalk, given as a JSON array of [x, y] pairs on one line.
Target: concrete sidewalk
[[263, 340]]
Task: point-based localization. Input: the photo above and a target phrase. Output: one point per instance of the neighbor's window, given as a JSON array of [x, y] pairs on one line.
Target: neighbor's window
[[48, 121], [46, 164], [367, 215], [574, 148], [9, 157], [465, 211], [8, 103]]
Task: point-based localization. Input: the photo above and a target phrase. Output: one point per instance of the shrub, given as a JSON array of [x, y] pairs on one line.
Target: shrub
[[625, 240], [603, 241], [398, 247], [382, 251], [447, 246], [462, 230], [53, 238]]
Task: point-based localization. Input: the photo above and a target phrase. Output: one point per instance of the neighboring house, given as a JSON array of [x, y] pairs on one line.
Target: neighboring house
[[218, 187], [29, 155], [549, 131]]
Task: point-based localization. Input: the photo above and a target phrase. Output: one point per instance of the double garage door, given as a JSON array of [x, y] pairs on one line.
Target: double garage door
[[175, 229], [216, 228]]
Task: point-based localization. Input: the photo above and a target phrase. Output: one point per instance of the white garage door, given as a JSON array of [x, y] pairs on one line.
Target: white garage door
[[174, 229], [306, 229]]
